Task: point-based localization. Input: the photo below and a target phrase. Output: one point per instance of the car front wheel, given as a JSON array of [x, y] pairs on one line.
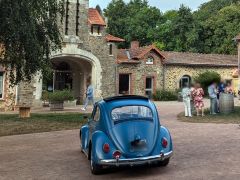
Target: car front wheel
[[164, 162]]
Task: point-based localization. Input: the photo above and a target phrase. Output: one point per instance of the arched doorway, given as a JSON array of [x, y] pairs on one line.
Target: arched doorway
[[186, 79], [73, 66]]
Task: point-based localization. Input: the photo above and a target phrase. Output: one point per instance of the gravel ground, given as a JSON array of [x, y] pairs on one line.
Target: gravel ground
[[201, 151]]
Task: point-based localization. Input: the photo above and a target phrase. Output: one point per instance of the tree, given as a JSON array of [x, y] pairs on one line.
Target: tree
[[29, 32], [182, 25], [117, 13], [221, 29], [133, 21]]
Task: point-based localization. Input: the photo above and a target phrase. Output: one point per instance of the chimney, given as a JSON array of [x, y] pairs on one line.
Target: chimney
[[134, 44]]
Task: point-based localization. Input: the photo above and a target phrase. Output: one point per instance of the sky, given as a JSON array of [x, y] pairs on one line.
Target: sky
[[163, 5]]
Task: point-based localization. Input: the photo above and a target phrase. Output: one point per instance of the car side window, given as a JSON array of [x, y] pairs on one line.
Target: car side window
[[96, 116]]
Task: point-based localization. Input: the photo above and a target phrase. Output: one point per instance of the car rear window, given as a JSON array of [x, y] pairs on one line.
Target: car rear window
[[132, 113]]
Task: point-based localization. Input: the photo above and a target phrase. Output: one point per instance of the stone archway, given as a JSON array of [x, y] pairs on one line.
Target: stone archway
[[80, 59]]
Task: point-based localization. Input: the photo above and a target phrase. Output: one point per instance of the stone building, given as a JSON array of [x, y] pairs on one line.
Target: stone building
[[89, 52], [143, 70]]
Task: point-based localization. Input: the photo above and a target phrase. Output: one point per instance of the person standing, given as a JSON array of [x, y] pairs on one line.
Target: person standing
[[198, 94], [221, 88], [192, 98], [212, 91], [186, 94], [89, 95], [229, 89]]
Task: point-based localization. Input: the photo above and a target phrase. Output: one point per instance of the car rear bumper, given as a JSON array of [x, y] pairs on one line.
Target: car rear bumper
[[136, 161]]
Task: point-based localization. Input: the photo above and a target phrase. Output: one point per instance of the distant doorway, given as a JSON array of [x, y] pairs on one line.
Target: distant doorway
[[185, 80], [63, 77], [124, 84], [149, 87]]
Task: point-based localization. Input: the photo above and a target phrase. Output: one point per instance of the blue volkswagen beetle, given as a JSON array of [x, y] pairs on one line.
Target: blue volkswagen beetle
[[125, 131]]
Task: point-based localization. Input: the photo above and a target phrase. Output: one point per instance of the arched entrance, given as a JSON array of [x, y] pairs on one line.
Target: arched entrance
[[185, 80], [73, 67]]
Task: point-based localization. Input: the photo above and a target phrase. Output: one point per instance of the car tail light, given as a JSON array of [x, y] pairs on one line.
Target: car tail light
[[117, 154], [106, 148], [164, 142]]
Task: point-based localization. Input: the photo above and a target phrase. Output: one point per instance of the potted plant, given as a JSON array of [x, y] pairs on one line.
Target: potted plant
[[45, 98], [57, 99]]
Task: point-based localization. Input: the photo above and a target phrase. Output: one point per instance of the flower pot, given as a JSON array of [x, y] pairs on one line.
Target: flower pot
[[56, 106], [24, 112], [70, 104]]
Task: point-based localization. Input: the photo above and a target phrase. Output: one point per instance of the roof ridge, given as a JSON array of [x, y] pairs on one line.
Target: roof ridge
[[198, 53]]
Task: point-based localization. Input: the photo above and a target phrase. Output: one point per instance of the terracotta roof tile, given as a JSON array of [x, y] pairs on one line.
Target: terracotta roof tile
[[111, 38], [134, 55], [193, 59], [95, 18]]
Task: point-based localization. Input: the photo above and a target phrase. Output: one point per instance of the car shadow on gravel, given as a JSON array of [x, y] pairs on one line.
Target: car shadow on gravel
[[136, 171]]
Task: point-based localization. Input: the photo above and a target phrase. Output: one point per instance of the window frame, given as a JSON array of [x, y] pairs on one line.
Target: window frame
[[3, 79], [152, 85], [150, 63], [185, 77], [110, 49], [131, 119], [96, 110]]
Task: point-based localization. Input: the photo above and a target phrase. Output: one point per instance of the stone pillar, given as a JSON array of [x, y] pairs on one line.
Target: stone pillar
[[25, 94]]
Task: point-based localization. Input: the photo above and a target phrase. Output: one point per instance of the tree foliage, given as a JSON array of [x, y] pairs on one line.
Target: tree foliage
[[29, 32], [133, 21], [207, 78], [210, 29]]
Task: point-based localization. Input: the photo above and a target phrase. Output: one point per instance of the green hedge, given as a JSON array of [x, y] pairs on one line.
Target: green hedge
[[60, 96], [207, 78], [164, 95]]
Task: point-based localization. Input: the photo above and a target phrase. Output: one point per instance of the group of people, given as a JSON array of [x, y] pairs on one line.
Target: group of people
[[193, 97], [214, 91]]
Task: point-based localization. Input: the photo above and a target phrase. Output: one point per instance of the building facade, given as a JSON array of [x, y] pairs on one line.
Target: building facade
[[88, 52]]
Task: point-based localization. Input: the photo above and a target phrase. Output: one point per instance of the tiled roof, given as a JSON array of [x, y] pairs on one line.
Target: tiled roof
[[193, 59], [134, 55], [95, 18], [111, 38]]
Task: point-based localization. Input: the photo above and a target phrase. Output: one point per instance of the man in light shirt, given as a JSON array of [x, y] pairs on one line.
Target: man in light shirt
[[212, 91]]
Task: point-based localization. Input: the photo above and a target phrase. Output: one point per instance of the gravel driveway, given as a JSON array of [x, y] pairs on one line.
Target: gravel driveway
[[201, 151]]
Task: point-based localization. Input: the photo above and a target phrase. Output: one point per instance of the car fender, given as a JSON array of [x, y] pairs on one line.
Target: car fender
[[163, 133], [99, 138], [84, 133]]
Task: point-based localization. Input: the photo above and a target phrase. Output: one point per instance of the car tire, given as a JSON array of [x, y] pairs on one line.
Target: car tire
[[80, 137], [95, 169], [164, 162]]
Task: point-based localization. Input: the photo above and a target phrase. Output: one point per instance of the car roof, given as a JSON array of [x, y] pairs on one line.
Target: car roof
[[125, 97]]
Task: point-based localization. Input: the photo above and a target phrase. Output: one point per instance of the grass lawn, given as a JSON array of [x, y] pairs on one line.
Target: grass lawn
[[233, 118], [12, 124]]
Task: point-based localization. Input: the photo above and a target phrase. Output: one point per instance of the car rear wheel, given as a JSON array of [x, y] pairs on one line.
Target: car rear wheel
[[96, 169], [164, 162]]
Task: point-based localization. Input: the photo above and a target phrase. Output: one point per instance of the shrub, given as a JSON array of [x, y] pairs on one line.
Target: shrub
[[206, 78], [45, 96], [60, 96], [164, 95]]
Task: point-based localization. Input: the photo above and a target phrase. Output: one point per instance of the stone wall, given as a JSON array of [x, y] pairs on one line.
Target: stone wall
[[139, 72], [175, 73], [9, 94], [100, 48]]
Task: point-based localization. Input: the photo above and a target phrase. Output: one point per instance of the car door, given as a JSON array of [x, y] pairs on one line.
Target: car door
[[94, 120]]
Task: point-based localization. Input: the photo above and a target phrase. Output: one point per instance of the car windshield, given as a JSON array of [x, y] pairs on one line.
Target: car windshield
[[132, 113]]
